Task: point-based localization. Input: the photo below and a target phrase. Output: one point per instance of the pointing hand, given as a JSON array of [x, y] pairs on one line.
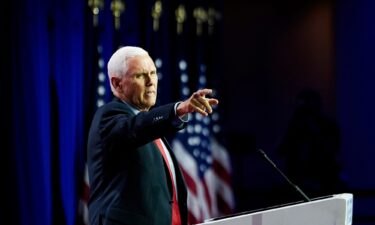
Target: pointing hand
[[198, 102]]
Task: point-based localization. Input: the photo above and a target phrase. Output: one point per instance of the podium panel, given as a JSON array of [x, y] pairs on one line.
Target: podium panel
[[331, 210]]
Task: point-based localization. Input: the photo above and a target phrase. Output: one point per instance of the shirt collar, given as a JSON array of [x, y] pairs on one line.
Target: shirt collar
[[133, 109]]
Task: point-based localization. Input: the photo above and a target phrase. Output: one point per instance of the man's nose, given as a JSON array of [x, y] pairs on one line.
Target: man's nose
[[148, 79]]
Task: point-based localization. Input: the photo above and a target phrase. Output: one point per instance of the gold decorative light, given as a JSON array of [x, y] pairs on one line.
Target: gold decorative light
[[117, 7], [96, 6], [156, 12], [212, 16], [200, 16], [180, 18]]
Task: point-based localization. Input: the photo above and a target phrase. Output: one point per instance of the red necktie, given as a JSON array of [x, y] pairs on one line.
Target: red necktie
[[176, 220]]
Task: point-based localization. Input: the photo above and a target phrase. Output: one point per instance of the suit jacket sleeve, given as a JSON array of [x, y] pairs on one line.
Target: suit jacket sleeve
[[119, 125]]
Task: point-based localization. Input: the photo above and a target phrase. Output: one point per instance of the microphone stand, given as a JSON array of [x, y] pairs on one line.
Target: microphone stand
[[307, 199]]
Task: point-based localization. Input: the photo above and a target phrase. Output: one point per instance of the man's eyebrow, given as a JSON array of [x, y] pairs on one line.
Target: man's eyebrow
[[142, 71]]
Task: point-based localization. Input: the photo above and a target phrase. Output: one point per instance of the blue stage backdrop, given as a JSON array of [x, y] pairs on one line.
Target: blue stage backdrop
[[58, 78], [53, 77]]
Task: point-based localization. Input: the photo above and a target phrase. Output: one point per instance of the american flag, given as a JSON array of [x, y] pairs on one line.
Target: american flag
[[204, 162], [101, 93]]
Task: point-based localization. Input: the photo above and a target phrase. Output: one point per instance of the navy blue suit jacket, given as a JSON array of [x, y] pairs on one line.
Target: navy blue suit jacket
[[129, 180]]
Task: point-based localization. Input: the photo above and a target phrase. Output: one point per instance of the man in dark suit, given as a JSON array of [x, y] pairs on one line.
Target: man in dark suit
[[134, 176]]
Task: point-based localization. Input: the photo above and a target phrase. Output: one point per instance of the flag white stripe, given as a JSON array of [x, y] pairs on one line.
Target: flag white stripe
[[182, 156], [220, 154], [197, 204], [211, 185], [225, 191]]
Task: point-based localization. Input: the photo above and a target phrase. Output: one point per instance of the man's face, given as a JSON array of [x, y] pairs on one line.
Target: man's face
[[140, 83]]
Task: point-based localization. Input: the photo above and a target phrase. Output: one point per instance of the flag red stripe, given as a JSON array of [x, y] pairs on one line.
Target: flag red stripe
[[207, 197], [221, 172], [86, 192], [189, 181], [192, 219], [223, 206]]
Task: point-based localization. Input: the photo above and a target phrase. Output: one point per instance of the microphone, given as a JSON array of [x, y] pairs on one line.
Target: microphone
[[284, 176]]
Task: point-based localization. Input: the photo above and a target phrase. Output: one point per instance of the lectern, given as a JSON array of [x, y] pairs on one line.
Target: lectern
[[329, 210]]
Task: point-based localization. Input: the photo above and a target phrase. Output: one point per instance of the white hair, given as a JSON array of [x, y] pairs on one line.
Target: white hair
[[117, 65]]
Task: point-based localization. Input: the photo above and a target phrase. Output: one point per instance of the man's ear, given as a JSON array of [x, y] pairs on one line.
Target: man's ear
[[115, 81]]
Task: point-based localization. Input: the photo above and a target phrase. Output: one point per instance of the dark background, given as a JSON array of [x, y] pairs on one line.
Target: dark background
[[272, 51], [268, 52]]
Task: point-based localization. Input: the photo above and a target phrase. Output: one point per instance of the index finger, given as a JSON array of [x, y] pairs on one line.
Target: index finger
[[204, 92]]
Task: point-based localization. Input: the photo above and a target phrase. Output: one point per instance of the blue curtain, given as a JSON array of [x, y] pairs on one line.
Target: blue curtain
[[355, 53], [47, 107], [355, 78]]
